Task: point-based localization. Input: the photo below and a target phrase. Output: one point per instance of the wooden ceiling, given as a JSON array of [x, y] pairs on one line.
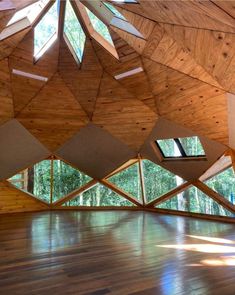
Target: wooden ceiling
[[188, 58]]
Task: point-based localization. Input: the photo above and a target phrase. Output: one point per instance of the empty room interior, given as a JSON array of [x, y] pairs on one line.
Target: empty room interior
[[117, 147]]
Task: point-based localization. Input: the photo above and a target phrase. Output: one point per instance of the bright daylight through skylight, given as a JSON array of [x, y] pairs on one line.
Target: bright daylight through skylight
[[73, 31], [45, 33]]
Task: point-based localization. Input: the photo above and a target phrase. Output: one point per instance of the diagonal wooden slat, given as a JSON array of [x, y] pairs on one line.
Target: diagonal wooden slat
[[170, 194], [214, 195], [120, 192], [74, 193]]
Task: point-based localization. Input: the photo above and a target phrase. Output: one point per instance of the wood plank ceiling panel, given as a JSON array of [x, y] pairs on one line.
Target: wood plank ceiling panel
[[83, 82], [163, 49], [54, 115], [9, 44], [197, 14], [138, 84], [226, 5], [189, 102], [125, 117], [6, 102], [24, 89], [213, 50], [13, 200]]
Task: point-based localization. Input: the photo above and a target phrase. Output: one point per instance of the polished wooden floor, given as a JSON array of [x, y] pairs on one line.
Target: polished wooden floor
[[118, 252]]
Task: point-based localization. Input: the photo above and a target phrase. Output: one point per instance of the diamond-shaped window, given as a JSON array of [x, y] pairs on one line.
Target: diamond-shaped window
[[99, 26], [50, 180], [114, 10], [73, 32], [23, 18], [46, 31]]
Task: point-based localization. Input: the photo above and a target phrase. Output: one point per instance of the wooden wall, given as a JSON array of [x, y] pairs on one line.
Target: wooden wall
[[13, 200]]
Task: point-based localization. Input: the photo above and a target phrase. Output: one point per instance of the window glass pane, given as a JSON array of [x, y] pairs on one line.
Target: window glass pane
[[192, 146], [224, 184], [30, 11], [128, 180], [36, 180], [66, 179], [169, 148], [100, 27], [45, 33], [158, 181], [114, 10], [195, 201], [99, 195], [73, 31]]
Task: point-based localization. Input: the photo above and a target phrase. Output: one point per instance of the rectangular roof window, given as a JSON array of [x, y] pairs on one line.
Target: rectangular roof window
[[184, 147]]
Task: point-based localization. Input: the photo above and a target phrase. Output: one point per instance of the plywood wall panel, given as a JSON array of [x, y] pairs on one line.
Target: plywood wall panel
[[213, 50], [9, 44], [189, 102], [123, 116], [138, 84], [197, 14], [22, 59], [54, 115], [13, 200], [6, 102], [77, 76], [163, 49]]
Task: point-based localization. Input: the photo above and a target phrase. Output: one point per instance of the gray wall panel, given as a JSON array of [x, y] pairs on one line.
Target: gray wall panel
[[18, 149], [95, 151]]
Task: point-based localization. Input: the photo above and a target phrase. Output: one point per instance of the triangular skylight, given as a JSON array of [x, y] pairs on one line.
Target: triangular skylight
[[74, 34], [128, 180], [45, 32], [99, 26], [119, 21], [77, 17], [114, 10], [99, 195], [23, 18], [158, 181], [195, 201]]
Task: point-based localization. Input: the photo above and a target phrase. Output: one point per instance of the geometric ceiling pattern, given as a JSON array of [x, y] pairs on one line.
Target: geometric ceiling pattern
[[183, 78]]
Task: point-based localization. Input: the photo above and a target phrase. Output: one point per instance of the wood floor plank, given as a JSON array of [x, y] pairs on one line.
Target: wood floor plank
[[115, 252]]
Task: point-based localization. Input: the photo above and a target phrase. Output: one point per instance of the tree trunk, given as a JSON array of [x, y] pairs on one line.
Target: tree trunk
[[30, 186]]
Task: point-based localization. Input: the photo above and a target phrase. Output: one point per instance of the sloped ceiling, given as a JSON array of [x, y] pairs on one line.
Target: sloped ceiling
[[188, 58]]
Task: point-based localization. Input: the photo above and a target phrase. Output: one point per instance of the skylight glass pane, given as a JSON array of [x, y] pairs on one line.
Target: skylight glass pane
[[169, 148], [73, 31], [192, 146], [100, 27], [45, 33], [114, 10], [30, 11]]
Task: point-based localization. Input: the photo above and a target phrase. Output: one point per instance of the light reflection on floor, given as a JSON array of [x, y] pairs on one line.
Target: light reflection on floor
[[214, 247]]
